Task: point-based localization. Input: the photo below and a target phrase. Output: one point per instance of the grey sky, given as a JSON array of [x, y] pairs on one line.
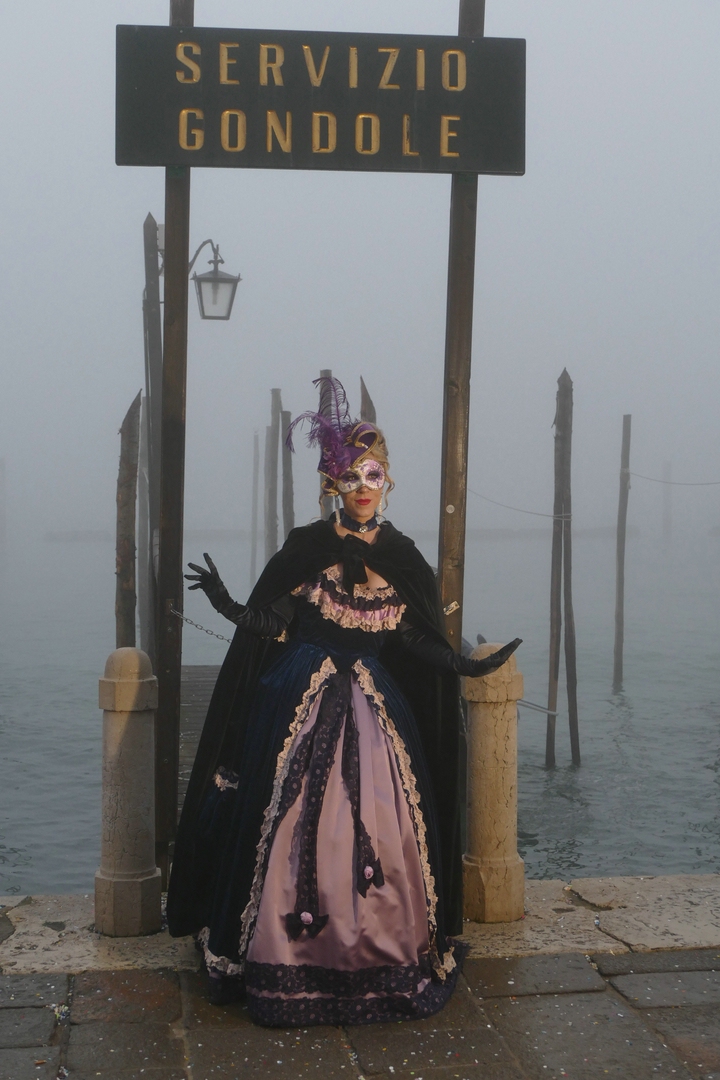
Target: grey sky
[[602, 258]]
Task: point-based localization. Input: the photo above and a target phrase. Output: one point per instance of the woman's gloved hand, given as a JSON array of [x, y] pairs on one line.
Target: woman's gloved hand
[[266, 622], [444, 658], [476, 668], [212, 585]]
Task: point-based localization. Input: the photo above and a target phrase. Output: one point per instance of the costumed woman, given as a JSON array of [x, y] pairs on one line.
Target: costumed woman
[[318, 853]]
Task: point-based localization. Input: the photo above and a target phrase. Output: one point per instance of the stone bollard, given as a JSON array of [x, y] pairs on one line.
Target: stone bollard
[[493, 872], [128, 884]]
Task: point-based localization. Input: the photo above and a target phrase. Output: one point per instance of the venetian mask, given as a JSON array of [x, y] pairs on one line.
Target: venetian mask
[[368, 473]]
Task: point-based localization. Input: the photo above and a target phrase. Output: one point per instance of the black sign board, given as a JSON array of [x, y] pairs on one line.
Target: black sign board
[[280, 99]]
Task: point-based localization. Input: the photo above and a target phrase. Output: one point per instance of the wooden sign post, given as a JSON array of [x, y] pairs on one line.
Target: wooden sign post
[[287, 99]]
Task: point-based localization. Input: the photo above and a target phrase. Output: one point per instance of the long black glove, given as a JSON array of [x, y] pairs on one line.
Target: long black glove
[[442, 657], [266, 622]]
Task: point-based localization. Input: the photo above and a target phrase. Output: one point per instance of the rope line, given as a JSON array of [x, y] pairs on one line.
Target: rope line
[[673, 483], [534, 513]]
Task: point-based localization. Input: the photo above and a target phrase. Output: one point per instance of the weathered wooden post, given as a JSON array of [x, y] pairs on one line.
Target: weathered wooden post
[[561, 577], [254, 510], [125, 596], [458, 356], [327, 502], [493, 872], [288, 495], [620, 556], [168, 646], [128, 883], [152, 424], [272, 442]]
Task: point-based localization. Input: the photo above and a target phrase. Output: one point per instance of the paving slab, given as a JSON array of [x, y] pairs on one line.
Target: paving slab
[[518, 976], [390, 1048], [112, 1050], [553, 923], [680, 911], [127, 997], [583, 1036], [38, 944], [664, 989], [28, 1064], [26, 991], [26, 1027], [641, 963], [293, 1054], [694, 1035]]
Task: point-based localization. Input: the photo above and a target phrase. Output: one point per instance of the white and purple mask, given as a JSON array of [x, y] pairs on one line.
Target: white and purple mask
[[368, 473]]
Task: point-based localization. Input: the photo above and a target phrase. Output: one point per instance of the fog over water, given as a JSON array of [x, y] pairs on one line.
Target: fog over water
[[602, 259]]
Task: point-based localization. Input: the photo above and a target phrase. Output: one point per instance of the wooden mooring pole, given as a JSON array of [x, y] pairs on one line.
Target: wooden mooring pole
[[152, 425], [561, 578], [272, 443], [620, 556], [327, 502], [172, 491], [288, 494], [125, 593], [254, 510], [458, 355]]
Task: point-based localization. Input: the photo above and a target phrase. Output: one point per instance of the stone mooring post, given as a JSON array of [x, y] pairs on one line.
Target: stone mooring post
[[128, 883], [493, 872]]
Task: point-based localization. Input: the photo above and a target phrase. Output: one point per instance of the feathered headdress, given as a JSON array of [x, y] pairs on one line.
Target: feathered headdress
[[343, 442]]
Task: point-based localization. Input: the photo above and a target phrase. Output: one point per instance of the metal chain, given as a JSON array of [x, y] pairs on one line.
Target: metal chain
[[199, 627]]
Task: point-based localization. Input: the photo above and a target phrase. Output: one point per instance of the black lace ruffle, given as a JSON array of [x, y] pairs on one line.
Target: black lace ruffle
[[346, 1000]]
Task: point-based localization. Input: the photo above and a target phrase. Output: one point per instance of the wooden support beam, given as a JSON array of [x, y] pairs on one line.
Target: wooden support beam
[[172, 491], [458, 356], [288, 494]]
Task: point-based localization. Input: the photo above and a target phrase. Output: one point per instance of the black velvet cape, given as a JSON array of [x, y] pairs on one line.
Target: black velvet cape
[[434, 699]]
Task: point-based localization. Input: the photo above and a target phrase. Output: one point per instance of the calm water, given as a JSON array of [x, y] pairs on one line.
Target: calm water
[[646, 799]]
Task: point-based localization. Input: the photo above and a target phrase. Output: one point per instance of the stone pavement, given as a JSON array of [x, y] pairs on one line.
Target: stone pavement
[[603, 978]]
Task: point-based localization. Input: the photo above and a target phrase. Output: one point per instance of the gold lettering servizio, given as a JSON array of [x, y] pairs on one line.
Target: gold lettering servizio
[[360, 129], [460, 70], [192, 75], [226, 61], [226, 141], [327, 145], [352, 68], [385, 83], [446, 134], [282, 134], [185, 132], [406, 144], [274, 65], [316, 77]]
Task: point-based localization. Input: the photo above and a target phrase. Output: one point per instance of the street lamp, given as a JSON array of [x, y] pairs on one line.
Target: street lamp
[[215, 289]]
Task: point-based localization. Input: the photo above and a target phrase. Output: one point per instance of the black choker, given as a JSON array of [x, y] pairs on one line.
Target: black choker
[[356, 526]]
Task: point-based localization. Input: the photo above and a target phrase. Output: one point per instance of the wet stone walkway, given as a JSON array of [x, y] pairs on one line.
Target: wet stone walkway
[[633, 1015]]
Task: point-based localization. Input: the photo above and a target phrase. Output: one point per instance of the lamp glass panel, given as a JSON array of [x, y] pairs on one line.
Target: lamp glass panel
[[217, 298]]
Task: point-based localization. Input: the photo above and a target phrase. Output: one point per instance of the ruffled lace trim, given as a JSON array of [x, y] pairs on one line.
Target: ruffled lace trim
[[367, 609], [442, 965]]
